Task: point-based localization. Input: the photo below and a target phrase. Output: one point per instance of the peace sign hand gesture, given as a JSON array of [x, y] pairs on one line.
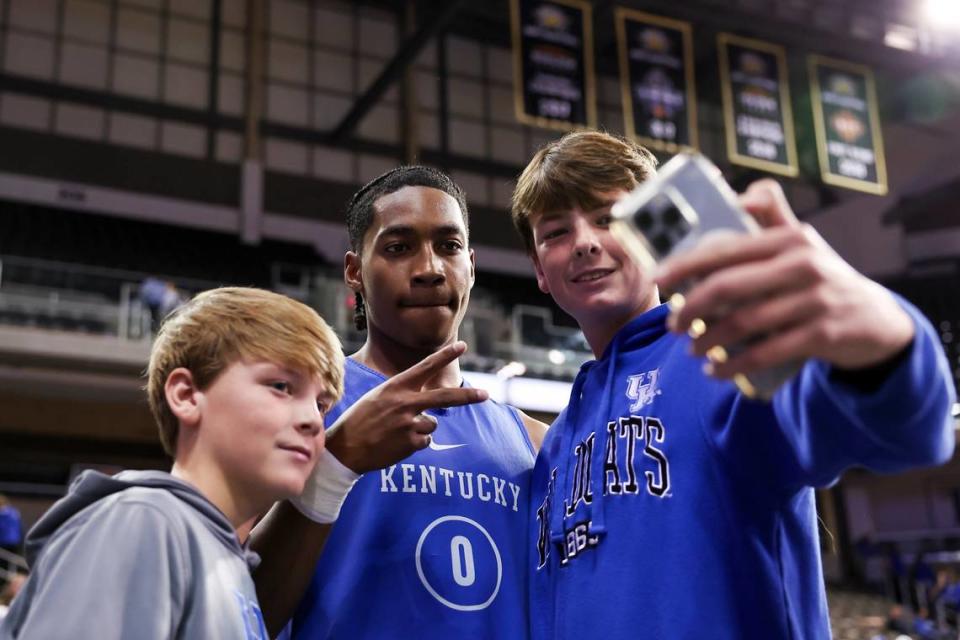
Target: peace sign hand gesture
[[388, 424]]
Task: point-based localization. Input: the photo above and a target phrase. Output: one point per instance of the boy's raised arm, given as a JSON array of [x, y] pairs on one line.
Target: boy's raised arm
[[386, 425], [787, 285], [875, 365]]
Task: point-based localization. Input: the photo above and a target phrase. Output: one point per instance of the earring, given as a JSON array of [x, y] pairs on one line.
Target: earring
[[359, 313]]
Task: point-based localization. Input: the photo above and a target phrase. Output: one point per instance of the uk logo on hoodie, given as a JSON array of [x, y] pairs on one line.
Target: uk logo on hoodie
[[643, 389]]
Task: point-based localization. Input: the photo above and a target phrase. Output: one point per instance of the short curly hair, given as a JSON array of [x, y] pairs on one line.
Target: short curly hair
[[360, 209]]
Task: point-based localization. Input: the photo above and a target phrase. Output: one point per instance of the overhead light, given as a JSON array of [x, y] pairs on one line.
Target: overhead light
[[942, 14], [901, 37], [556, 356], [512, 370]]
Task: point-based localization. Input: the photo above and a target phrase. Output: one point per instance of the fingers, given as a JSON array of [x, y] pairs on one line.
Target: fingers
[[420, 441], [765, 317], [388, 424], [444, 397], [419, 373], [789, 345], [718, 251], [423, 424], [729, 290], [421, 427], [766, 202]]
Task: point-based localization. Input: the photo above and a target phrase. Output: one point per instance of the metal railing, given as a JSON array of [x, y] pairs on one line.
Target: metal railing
[[58, 296], [67, 297], [11, 559]]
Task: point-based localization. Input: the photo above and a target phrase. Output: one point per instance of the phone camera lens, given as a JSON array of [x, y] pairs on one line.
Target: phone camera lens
[[662, 243], [672, 217], [643, 220]]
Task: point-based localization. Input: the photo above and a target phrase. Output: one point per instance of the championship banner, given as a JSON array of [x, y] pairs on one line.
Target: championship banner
[[656, 80], [849, 141], [553, 77], [756, 105]]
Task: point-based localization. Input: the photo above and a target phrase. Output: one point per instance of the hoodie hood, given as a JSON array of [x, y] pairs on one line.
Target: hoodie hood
[[636, 334], [643, 330], [92, 486]]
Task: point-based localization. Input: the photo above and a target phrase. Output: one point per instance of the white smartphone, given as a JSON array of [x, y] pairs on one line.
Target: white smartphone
[[671, 212]]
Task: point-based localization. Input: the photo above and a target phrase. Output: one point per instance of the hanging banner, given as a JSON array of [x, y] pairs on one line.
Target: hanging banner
[[553, 63], [756, 105], [849, 141], [656, 80]]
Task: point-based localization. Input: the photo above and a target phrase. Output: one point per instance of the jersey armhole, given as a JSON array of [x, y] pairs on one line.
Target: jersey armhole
[[523, 430]]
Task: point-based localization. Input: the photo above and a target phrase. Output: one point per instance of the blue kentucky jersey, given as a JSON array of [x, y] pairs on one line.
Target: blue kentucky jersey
[[434, 546]]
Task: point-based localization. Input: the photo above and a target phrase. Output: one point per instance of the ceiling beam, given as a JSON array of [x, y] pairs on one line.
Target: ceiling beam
[[405, 55]]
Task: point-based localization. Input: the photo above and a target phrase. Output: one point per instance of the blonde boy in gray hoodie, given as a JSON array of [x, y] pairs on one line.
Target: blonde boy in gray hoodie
[[239, 381]]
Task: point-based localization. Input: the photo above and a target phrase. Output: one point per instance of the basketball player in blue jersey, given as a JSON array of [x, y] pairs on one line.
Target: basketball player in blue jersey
[[665, 504], [434, 545]]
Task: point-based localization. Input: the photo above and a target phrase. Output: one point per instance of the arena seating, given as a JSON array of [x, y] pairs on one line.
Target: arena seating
[[101, 241], [80, 272]]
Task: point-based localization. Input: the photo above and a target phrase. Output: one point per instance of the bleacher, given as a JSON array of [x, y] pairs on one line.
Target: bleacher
[[859, 616], [91, 240], [81, 273]]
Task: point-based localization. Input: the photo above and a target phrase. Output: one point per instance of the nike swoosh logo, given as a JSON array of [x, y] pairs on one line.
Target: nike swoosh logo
[[443, 447]]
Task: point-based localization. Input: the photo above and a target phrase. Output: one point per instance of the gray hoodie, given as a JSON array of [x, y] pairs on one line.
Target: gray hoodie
[[140, 556]]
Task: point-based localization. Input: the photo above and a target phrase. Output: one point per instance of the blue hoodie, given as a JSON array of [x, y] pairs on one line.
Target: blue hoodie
[[667, 505]]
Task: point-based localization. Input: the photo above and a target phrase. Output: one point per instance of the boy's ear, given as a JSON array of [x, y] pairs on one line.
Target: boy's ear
[[351, 272], [473, 268], [541, 279], [183, 396]]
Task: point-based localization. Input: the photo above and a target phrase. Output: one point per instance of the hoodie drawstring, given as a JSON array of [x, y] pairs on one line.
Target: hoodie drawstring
[[594, 509], [633, 337], [558, 500]]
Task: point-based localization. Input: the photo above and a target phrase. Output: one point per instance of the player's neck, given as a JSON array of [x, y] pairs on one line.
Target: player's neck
[[389, 357]]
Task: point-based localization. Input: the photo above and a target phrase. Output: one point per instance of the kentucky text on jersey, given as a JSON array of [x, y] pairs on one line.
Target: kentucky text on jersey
[[434, 547], [422, 478]]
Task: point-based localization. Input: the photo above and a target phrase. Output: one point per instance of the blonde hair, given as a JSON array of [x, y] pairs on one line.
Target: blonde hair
[[221, 326], [572, 171]]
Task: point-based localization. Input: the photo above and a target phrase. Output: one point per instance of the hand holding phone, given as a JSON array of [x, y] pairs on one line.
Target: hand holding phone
[[686, 203]]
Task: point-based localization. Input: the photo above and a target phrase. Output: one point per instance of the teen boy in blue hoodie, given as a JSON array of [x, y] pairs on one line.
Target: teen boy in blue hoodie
[[666, 504]]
